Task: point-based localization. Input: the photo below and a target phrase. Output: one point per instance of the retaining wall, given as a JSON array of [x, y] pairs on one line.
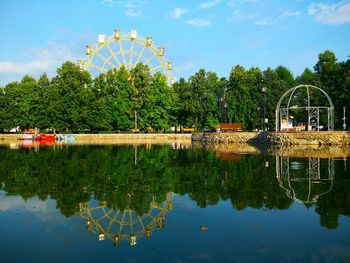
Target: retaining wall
[[297, 138], [161, 138]]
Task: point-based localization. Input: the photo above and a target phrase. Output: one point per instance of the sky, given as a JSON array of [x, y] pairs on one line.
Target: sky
[[37, 36]]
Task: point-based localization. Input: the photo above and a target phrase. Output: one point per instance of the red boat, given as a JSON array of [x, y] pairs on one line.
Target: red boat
[[43, 137]]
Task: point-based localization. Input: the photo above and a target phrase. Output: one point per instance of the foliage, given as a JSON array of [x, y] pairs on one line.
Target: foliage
[[74, 101]]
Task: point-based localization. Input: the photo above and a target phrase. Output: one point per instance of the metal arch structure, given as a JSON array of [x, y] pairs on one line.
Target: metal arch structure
[[125, 49], [124, 225], [313, 111], [312, 179]]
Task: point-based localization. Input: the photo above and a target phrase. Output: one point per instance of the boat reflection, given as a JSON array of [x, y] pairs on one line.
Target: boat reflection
[[124, 225], [304, 179]]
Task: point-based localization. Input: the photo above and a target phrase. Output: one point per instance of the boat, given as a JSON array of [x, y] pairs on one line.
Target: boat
[[43, 137], [27, 137], [70, 138]]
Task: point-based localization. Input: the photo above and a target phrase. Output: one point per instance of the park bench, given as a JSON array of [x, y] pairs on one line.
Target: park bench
[[231, 127], [187, 129]]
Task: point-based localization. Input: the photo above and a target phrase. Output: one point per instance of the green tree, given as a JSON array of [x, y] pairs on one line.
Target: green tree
[[158, 104], [120, 100], [68, 96]]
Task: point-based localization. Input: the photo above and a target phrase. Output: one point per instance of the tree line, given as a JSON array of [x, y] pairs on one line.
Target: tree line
[[120, 100]]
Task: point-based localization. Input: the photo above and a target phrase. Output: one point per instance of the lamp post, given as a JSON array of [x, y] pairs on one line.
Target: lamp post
[[344, 119], [223, 105], [263, 90]]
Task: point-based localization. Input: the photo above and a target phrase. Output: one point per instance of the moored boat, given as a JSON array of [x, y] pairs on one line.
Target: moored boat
[[27, 136], [44, 137]]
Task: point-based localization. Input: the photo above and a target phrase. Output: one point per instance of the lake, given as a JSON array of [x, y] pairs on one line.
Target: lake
[[171, 203]]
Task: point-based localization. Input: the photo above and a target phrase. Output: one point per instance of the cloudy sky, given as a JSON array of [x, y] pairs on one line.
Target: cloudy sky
[[37, 36]]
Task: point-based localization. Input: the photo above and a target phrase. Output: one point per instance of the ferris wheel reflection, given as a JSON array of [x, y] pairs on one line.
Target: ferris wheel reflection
[[305, 180], [124, 225]]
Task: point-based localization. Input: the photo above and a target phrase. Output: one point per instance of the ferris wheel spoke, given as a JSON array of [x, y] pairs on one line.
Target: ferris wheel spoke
[[108, 213], [140, 55], [111, 221], [113, 54], [121, 223], [105, 59], [131, 53], [140, 219], [122, 51], [98, 67], [131, 223], [155, 68], [150, 59]]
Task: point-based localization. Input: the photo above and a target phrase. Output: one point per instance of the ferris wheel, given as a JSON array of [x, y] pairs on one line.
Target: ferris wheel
[[124, 225], [128, 50]]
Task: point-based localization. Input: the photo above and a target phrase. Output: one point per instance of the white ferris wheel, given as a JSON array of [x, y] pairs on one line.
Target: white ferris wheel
[[124, 225], [128, 50]]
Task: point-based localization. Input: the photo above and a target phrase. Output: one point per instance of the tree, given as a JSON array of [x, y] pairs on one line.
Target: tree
[[158, 104], [68, 97], [333, 78], [243, 97], [120, 100]]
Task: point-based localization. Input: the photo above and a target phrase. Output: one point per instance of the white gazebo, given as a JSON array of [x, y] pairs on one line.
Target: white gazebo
[[303, 97]]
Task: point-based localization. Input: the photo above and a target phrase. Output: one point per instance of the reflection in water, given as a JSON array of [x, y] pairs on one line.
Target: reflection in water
[[304, 184], [127, 224], [240, 199], [73, 175]]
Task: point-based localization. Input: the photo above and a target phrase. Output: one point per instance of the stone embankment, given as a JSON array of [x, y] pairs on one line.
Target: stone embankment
[[153, 138], [297, 138], [140, 138], [225, 137]]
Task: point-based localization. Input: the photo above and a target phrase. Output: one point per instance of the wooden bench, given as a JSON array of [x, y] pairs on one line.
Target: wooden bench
[[187, 129], [231, 127]]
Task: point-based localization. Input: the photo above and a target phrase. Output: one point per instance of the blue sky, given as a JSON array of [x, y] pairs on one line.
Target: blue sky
[[38, 36]]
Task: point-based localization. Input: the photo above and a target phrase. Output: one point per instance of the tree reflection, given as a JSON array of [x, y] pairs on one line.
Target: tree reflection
[[76, 174]]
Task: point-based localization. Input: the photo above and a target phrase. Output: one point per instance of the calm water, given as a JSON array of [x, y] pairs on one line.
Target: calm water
[[160, 204]]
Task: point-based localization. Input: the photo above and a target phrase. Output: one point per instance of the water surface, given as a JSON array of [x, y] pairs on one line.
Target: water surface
[[171, 204]]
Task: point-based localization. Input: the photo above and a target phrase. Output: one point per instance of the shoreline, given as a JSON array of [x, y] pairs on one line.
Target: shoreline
[[276, 138], [147, 138], [223, 150]]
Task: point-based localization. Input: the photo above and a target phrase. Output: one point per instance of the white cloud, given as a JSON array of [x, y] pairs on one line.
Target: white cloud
[[132, 12], [209, 4], [108, 2], [36, 61], [132, 7], [331, 14], [178, 12], [265, 22], [197, 22], [237, 2], [289, 13], [9, 203], [238, 16], [42, 60]]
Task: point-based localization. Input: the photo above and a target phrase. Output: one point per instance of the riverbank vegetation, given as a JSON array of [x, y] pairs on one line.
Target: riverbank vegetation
[[120, 100]]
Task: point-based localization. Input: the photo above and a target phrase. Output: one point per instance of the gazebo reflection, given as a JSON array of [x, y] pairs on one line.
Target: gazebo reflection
[[124, 225], [305, 179]]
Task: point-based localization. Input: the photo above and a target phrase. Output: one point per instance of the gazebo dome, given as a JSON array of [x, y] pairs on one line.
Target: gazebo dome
[[303, 179], [312, 105]]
